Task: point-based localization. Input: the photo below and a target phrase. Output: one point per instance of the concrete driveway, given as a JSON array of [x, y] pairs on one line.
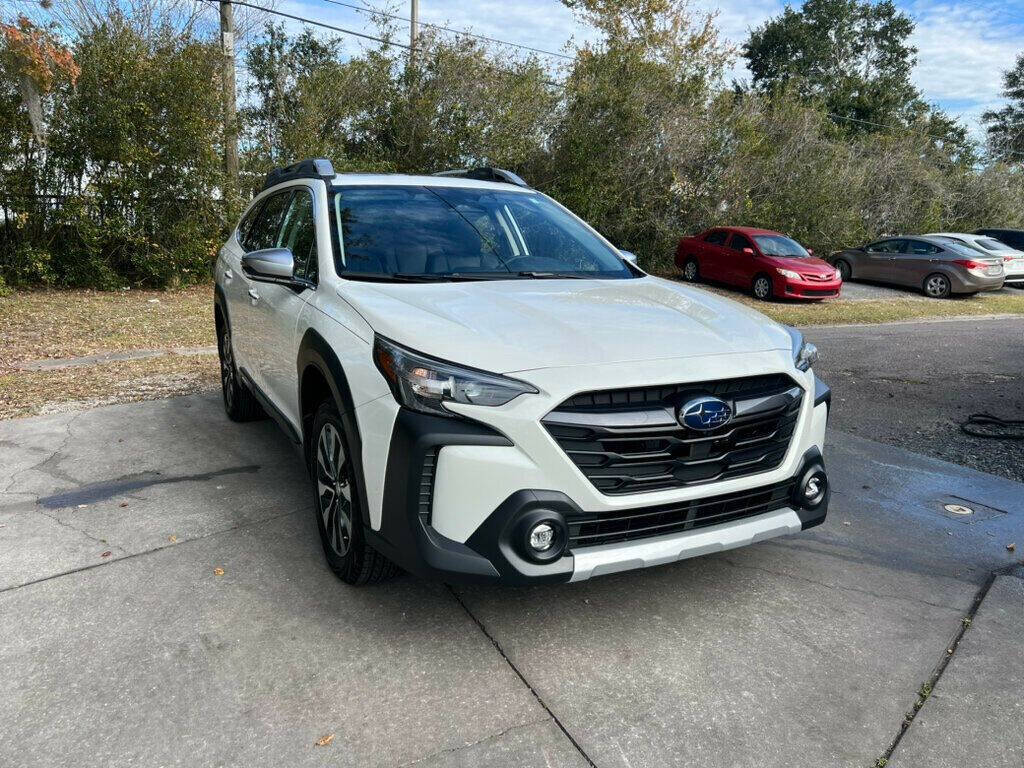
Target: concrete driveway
[[122, 643]]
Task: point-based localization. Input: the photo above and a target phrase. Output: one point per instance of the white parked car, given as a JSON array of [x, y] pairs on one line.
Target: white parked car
[[484, 389], [1013, 260]]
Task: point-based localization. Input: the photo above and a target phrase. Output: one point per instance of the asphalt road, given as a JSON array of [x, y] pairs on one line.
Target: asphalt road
[[164, 601], [912, 384]]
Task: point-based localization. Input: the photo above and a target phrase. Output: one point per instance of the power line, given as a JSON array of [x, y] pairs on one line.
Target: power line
[[461, 32], [304, 20]]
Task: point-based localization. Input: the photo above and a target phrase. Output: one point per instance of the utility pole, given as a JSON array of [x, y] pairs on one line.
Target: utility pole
[[227, 45], [414, 29]]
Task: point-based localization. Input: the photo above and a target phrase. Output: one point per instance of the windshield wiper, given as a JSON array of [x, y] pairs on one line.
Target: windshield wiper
[[553, 275]]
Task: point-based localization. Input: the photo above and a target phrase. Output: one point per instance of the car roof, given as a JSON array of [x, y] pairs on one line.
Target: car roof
[[752, 231], [410, 180], [968, 235]]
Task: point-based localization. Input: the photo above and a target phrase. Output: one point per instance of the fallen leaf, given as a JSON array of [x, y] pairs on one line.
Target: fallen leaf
[[174, 540], [123, 504], [1010, 547], [326, 740], [106, 554], [847, 522], [218, 571]]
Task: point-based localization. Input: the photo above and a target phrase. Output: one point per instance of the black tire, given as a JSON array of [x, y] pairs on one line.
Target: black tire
[[845, 270], [240, 403], [937, 286], [761, 288], [336, 503], [691, 270]]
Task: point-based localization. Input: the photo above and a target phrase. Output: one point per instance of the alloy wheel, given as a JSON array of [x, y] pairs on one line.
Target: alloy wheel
[[937, 286], [690, 270], [334, 489], [227, 368], [762, 288]]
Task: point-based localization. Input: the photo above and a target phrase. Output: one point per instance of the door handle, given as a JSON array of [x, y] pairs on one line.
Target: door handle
[[228, 274], [253, 295]]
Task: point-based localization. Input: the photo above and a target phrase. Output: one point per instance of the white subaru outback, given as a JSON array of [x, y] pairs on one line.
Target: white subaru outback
[[485, 389]]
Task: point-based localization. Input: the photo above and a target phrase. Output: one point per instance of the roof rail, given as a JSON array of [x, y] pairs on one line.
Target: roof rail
[[314, 168], [486, 173]]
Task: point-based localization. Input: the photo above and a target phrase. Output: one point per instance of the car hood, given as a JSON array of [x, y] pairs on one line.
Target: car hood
[[811, 266], [517, 325]]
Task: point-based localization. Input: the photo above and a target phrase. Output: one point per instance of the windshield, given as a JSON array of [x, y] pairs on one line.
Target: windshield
[[439, 233], [780, 245]]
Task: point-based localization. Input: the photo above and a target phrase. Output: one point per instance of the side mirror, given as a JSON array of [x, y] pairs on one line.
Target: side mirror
[[628, 256], [272, 264], [749, 251]]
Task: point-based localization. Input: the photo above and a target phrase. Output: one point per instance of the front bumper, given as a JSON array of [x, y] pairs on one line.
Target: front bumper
[[807, 289], [457, 495]]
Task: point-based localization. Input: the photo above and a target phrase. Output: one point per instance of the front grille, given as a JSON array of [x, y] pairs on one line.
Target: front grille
[[630, 525], [818, 292], [629, 440], [426, 492]]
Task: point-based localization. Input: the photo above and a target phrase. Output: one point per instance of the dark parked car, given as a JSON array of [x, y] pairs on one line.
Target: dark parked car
[[936, 265], [768, 264]]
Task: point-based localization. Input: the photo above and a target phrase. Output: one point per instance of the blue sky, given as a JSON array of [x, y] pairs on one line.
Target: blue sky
[[963, 45]]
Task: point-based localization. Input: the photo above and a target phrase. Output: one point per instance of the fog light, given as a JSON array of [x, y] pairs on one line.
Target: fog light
[[812, 488], [542, 537]]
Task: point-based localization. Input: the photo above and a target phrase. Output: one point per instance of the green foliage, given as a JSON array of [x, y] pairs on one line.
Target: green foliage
[[124, 186], [1006, 126]]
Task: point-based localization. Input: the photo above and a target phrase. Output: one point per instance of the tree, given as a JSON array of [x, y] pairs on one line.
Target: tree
[[1005, 126], [852, 55]]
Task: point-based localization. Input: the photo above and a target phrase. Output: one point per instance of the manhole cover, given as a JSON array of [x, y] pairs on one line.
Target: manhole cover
[[967, 511], [958, 509]]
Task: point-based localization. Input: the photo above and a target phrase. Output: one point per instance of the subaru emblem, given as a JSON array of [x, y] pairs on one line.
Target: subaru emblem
[[704, 414]]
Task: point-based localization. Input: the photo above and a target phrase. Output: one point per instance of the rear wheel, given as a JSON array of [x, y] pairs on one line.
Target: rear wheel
[[691, 270], [937, 286], [239, 402], [336, 498], [844, 269], [762, 288]]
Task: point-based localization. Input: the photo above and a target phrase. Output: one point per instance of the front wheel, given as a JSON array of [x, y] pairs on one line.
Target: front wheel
[[691, 270], [762, 288], [937, 286], [336, 499]]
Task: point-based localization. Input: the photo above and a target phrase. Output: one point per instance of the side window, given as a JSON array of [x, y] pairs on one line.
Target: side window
[[246, 224], [739, 242], [299, 234], [717, 237], [920, 247], [885, 246], [265, 227]]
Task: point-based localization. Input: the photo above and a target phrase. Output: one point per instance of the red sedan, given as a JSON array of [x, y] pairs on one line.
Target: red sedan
[[768, 264]]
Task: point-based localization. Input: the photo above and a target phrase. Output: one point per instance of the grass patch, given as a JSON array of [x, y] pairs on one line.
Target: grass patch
[[888, 311], [61, 324], [26, 393]]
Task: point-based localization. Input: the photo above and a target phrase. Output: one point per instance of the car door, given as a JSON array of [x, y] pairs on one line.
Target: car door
[[279, 305], [236, 285], [713, 254], [879, 259], [738, 267], [249, 322], [914, 262]]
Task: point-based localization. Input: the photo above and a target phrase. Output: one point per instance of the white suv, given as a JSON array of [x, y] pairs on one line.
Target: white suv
[[485, 389]]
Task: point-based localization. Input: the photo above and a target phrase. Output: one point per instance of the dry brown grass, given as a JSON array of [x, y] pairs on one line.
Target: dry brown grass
[[60, 324]]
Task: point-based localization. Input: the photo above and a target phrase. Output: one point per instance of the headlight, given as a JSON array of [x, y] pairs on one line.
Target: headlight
[[424, 383], [788, 273], [805, 354]]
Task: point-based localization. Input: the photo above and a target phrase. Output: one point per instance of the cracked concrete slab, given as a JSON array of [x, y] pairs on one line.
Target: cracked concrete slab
[[798, 650], [975, 714], [156, 660]]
